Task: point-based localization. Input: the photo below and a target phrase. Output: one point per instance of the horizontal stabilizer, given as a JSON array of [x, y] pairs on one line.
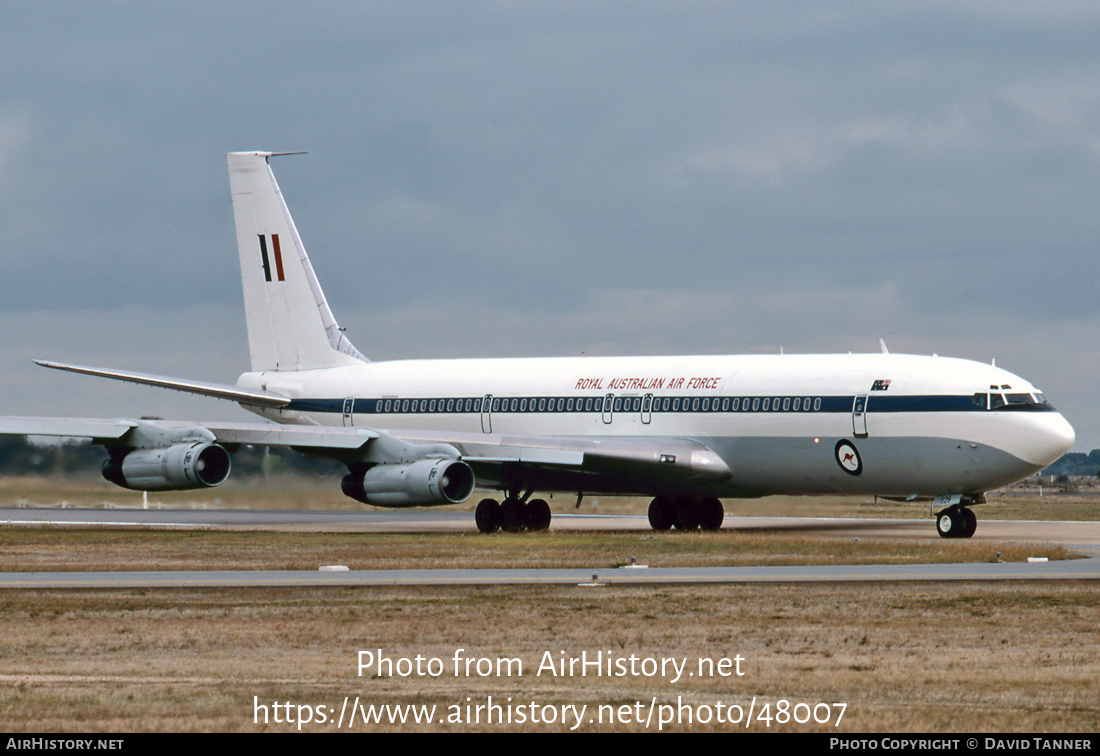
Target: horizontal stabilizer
[[253, 397]]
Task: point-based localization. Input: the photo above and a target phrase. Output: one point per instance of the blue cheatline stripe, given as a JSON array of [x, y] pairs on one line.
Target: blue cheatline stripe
[[658, 405], [932, 403]]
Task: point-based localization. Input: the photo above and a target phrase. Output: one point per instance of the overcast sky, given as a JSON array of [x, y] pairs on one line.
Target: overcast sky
[[525, 178]]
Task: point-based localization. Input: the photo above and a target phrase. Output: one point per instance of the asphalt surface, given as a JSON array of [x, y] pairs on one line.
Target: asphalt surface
[[1081, 537]]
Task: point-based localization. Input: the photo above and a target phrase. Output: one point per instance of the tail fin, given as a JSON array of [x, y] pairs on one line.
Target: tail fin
[[290, 325]]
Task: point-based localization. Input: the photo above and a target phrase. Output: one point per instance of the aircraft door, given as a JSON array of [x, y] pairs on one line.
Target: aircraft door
[[859, 416], [647, 408], [349, 409], [608, 402], [486, 414]]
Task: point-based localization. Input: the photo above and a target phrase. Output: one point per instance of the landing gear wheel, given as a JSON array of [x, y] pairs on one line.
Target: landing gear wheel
[[537, 514], [956, 522], [948, 522], [711, 514], [685, 515], [660, 513], [970, 523], [512, 515], [487, 516]]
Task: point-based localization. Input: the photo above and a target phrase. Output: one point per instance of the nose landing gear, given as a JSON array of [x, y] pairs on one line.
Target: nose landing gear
[[956, 522]]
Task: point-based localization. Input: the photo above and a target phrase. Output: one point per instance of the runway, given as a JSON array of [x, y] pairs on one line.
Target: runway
[[1081, 537]]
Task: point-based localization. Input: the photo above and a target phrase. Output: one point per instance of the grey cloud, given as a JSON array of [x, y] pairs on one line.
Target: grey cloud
[[584, 168]]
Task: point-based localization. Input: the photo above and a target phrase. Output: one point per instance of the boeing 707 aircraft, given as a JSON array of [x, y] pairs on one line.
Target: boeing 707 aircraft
[[686, 431]]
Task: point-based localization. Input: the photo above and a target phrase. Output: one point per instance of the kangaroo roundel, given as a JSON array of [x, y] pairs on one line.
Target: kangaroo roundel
[[848, 458]]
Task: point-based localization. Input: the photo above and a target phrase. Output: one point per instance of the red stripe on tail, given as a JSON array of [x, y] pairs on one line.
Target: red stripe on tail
[[278, 257]]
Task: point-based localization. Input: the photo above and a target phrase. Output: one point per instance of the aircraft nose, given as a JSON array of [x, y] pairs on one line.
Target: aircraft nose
[[1052, 438]]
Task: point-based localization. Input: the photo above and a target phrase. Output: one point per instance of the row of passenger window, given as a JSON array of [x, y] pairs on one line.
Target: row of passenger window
[[599, 404]]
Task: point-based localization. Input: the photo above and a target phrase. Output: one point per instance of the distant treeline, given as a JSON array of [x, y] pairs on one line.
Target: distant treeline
[[1076, 463], [18, 456]]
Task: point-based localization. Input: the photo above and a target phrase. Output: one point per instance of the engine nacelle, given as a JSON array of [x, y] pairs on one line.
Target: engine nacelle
[[194, 464], [423, 483]]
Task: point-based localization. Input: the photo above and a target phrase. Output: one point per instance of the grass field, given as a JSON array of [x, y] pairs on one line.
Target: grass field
[[923, 657], [49, 549], [902, 658]]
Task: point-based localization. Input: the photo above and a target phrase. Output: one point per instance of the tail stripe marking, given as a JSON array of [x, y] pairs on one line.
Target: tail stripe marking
[[263, 255], [277, 250], [278, 256]]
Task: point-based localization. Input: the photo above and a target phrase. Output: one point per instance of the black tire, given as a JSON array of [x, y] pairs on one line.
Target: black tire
[[685, 515], [512, 516], [969, 523], [538, 515], [660, 513], [711, 514], [948, 522], [487, 516]]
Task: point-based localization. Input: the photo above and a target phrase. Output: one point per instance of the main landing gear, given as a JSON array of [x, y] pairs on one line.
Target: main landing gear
[[956, 522], [512, 515], [685, 513]]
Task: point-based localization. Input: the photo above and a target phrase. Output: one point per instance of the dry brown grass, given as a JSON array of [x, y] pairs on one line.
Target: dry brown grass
[[49, 549], [953, 657]]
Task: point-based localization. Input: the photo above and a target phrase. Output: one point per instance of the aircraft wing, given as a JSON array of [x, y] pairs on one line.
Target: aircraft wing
[[99, 430], [582, 462], [114, 431], [600, 463]]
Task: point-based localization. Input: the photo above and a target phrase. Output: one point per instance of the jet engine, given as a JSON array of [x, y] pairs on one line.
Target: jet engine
[[423, 483], [194, 464]]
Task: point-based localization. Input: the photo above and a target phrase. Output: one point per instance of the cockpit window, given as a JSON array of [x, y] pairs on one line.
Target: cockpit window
[[1011, 401]]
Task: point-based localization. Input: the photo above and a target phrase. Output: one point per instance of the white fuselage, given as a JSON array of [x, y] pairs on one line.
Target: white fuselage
[[888, 424]]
